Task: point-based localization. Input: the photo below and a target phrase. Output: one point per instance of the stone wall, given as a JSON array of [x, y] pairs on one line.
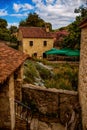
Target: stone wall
[[20, 124], [18, 83], [52, 106], [11, 101], [9, 91], [83, 77], [5, 118]]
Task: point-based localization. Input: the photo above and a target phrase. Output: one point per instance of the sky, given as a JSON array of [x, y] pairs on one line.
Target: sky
[[59, 13]]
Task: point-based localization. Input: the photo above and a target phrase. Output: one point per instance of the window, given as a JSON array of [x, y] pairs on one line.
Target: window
[[45, 43], [31, 43], [19, 43], [34, 54]]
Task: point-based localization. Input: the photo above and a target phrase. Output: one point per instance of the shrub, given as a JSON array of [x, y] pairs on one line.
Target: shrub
[[30, 72], [62, 76], [44, 73]]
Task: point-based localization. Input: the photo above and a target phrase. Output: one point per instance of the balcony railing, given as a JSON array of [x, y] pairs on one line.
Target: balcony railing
[[23, 112]]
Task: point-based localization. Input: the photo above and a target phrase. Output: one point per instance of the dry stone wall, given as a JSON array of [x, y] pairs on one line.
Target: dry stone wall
[[52, 108], [5, 119]]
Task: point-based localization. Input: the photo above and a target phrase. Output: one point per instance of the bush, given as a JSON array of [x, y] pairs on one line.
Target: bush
[[30, 72], [62, 76], [44, 73]]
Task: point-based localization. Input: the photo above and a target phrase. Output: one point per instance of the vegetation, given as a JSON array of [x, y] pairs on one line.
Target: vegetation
[[7, 34], [68, 37], [62, 76], [13, 29], [65, 77], [30, 72], [60, 35], [34, 20], [72, 40]]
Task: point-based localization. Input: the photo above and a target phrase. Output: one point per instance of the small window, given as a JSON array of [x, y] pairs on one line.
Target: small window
[[19, 43], [31, 43], [45, 43]]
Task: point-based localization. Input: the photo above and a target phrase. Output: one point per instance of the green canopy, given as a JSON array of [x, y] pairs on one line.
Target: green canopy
[[51, 50], [55, 51], [64, 51], [73, 53]]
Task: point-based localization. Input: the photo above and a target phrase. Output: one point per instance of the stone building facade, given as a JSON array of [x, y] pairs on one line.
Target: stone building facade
[[83, 73], [35, 40], [11, 71]]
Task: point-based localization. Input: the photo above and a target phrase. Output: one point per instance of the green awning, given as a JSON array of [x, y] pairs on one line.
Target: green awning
[[73, 53], [55, 51], [51, 50], [64, 51]]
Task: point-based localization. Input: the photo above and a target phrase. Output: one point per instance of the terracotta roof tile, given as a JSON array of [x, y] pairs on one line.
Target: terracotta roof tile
[[10, 60], [35, 32]]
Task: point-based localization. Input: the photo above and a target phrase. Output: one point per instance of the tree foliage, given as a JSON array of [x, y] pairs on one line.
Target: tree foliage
[[83, 12], [59, 37], [3, 23], [13, 29], [73, 39], [34, 20], [5, 33]]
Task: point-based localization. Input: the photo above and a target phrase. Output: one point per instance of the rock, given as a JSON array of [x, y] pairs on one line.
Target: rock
[[44, 126], [34, 124], [57, 126]]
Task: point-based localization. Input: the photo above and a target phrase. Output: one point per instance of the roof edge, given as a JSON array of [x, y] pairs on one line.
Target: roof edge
[[83, 23]]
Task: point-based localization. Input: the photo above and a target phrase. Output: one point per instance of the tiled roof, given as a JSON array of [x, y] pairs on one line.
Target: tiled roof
[[10, 60], [35, 32]]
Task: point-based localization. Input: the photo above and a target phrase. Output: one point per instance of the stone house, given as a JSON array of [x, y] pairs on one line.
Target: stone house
[[11, 75], [35, 40], [83, 73]]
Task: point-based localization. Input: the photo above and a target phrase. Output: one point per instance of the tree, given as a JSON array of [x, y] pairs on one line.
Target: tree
[[60, 35], [13, 29], [83, 11], [4, 35], [3, 23], [22, 23], [73, 39], [34, 20], [4, 32]]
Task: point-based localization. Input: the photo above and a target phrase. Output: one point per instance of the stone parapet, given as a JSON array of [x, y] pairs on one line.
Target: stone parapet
[[53, 106]]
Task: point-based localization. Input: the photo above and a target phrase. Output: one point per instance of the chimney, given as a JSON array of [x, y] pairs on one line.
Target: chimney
[[47, 28]]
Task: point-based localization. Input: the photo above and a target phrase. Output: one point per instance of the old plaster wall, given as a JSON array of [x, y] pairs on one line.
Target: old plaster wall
[[83, 77]]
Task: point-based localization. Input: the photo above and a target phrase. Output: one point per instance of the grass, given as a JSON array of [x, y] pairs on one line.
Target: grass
[[62, 76], [30, 72]]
